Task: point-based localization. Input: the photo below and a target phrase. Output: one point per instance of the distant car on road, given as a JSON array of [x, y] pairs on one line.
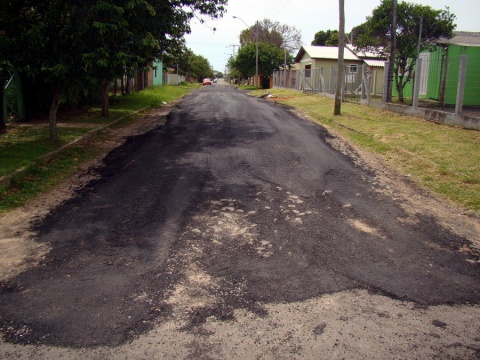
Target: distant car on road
[[207, 81], [215, 80]]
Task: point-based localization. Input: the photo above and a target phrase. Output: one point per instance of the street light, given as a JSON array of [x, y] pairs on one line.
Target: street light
[[256, 47]]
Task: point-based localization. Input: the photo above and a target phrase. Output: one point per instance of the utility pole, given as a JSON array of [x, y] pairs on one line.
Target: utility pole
[[341, 49], [232, 57], [256, 54], [393, 46]]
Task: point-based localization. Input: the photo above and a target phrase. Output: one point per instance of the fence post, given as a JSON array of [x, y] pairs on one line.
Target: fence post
[[385, 82], [364, 81], [461, 84], [330, 85], [416, 89]]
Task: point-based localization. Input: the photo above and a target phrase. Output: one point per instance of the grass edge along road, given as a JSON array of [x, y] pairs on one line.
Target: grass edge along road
[[442, 159], [22, 146]]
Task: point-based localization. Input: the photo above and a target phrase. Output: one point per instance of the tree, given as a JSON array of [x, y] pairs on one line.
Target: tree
[[326, 38], [116, 43], [199, 67], [374, 35], [65, 42], [43, 39], [283, 36], [270, 58]]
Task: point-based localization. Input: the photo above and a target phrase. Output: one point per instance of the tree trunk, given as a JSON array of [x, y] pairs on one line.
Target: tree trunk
[[341, 49], [105, 105], [129, 84], [52, 118], [401, 99], [3, 121], [400, 85]]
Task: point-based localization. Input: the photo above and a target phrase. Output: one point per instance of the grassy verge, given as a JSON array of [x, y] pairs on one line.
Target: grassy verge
[[443, 159], [247, 87], [23, 145]]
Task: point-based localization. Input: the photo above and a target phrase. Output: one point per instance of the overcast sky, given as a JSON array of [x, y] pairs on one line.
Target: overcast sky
[[308, 16]]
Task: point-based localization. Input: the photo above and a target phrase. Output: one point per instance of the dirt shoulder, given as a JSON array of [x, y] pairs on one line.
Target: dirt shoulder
[[18, 249]]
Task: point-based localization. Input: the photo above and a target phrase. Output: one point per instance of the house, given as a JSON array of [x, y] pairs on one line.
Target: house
[[319, 66], [152, 76], [441, 68]]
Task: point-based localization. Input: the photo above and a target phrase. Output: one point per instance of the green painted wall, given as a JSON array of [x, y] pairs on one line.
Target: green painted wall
[[158, 73], [437, 63], [472, 81], [437, 57]]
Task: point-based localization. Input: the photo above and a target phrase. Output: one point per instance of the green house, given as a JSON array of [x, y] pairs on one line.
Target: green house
[[444, 64], [440, 69]]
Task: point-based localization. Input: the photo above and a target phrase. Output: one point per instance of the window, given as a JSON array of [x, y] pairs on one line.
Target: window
[[353, 68], [308, 70]]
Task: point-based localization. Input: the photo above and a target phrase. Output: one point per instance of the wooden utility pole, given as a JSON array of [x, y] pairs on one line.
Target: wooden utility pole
[[341, 49], [393, 46]]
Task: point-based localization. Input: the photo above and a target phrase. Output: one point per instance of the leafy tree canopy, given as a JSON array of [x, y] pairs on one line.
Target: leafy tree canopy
[[374, 34], [199, 67], [270, 57], [65, 42], [326, 38], [189, 63], [267, 31]]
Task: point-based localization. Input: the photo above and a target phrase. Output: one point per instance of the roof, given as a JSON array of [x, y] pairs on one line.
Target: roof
[[365, 54], [463, 38], [375, 63], [324, 52]]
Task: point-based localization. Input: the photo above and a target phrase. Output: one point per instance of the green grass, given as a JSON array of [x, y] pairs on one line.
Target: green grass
[[41, 177], [22, 145], [247, 87], [443, 159]]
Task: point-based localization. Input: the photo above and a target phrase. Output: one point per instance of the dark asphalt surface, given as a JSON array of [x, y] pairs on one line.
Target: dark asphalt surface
[[316, 223]]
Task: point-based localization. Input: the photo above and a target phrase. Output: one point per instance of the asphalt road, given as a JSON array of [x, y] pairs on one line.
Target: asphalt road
[[250, 194]]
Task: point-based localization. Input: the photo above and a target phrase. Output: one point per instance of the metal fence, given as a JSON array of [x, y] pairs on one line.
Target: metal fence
[[448, 82], [319, 81]]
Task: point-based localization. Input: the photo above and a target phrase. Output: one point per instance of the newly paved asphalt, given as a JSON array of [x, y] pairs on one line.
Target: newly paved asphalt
[[260, 191]]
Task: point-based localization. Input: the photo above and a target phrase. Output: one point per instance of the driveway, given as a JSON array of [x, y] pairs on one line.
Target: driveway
[[238, 231]]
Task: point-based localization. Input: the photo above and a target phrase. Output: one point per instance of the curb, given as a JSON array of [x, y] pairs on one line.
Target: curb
[[6, 179]]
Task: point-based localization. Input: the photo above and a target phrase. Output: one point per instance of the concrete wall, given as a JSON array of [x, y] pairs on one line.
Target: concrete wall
[[440, 117], [174, 79]]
